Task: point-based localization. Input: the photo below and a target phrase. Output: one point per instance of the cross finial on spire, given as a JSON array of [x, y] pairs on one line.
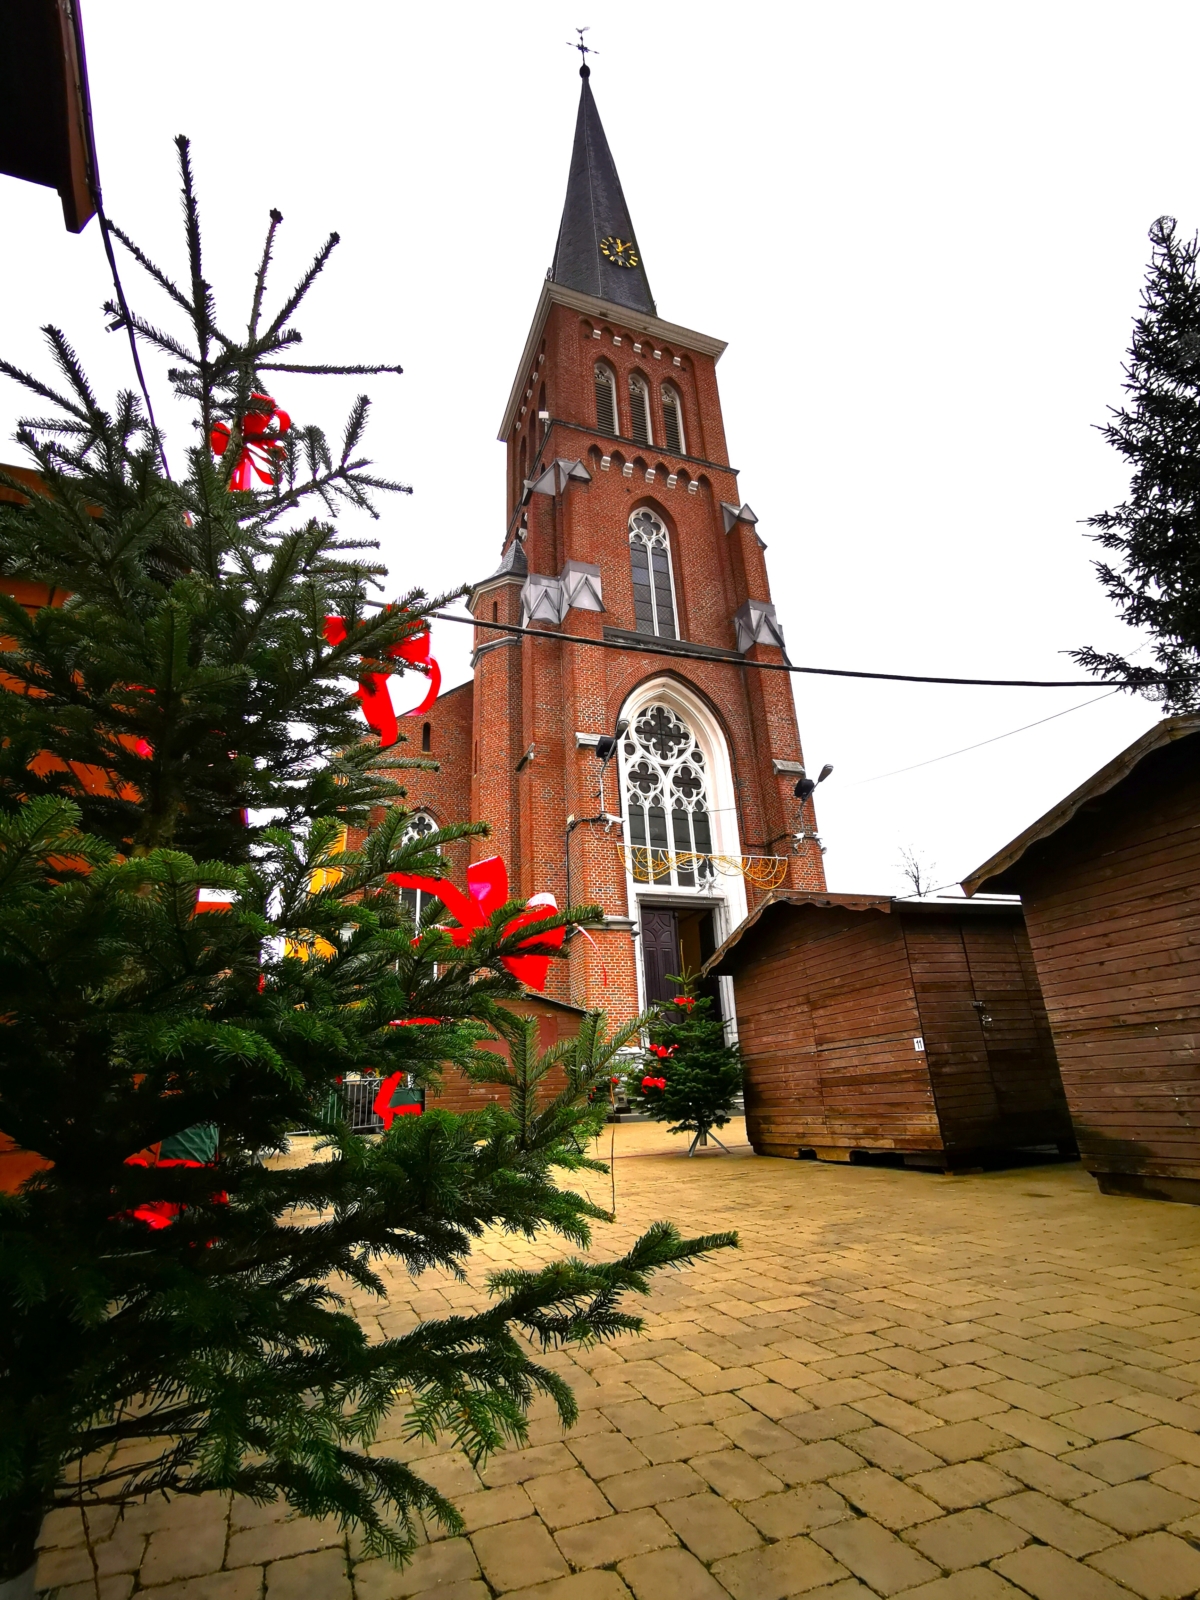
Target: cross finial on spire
[[584, 52]]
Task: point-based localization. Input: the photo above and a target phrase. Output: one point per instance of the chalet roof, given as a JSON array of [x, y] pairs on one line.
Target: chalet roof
[[595, 209], [998, 871], [719, 963]]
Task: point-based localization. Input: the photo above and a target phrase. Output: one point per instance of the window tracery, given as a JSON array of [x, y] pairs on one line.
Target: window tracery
[[416, 900], [650, 562], [666, 799]]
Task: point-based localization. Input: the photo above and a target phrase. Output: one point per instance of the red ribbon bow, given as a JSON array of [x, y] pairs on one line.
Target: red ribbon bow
[[372, 686], [259, 453], [663, 1051], [654, 1083], [487, 885], [684, 1000], [383, 1106]]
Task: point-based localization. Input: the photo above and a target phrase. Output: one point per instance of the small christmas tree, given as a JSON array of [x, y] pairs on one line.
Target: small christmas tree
[[191, 959], [1156, 531], [691, 1074]]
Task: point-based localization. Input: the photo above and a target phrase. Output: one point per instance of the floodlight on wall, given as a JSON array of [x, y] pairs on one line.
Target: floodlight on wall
[[806, 785], [606, 744]]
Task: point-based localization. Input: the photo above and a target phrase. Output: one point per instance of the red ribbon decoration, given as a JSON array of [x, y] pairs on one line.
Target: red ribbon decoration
[[684, 1000], [259, 454], [383, 1106], [654, 1083], [662, 1051], [162, 1213], [487, 885], [372, 688]]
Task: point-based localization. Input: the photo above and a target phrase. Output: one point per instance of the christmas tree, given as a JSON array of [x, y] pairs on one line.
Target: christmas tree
[[691, 1075], [192, 956], [1156, 531]]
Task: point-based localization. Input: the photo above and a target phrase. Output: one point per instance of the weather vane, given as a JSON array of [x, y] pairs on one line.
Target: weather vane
[[584, 50]]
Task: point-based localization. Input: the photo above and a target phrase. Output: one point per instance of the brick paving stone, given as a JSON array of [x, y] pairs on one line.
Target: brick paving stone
[[964, 1441], [1173, 1442], [808, 1463], [755, 1434], [174, 1553], [773, 1400], [711, 1408], [1137, 1507], [875, 1555], [736, 1475], [975, 1583], [891, 1451], [244, 1584], [966, 1539], [966, 1483], [1158, 1566], [563, 1499], [516, 1555], [1052, 1523], [1118, 1460], [117, 1587], [1047, 1473], [579, 1586], [966, 1405], [825, 1423], [1105, 1421], [670, 1575], [602, 1454], [1049, 1575], [273, 1541], [303, 1577], [898, 1414], [513, 1466], [1180, 1479], [649, 1485], [491, 1506], [896, 1505], [681, 1444], [793, 1566], [611, 1539], [709, 1526], [782, 1516], [434, 1567]]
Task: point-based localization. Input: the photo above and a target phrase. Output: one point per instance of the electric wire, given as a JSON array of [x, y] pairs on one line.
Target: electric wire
[[653, 647], [995, 739]]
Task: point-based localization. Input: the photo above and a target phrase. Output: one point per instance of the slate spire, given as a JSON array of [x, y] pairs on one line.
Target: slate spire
[[594, 216]]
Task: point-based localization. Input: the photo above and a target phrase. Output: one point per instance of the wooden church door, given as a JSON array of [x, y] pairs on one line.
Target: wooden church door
[[660, 951]]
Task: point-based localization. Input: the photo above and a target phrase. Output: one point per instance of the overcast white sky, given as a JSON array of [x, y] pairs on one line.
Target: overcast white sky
[[921, 228]]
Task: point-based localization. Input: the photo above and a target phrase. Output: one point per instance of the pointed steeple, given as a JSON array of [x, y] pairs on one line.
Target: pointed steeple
[[595, 237]]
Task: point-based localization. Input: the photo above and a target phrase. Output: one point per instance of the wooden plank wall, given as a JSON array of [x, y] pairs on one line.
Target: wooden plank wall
[[826, 1018], [996, 1086], [1114, 922]]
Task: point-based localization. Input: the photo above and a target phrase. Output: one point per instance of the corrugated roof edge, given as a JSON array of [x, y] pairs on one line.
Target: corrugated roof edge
[[825, 901], [1110, 777]]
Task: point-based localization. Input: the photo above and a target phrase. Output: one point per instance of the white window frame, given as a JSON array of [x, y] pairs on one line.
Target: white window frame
[[673, 392], [411, 832], [666, 533], [638, 383]]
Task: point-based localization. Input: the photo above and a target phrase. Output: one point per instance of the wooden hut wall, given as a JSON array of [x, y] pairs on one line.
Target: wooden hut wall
[[987, 1041], [1113, 911], [827, 1035]]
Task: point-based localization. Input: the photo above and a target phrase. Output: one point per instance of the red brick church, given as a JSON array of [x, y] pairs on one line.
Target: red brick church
[[624, 525]]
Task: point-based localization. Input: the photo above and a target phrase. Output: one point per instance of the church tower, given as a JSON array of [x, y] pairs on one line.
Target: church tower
[[624, 525]]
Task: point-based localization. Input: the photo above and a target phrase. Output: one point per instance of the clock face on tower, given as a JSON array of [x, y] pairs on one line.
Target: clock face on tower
[[620, 252]]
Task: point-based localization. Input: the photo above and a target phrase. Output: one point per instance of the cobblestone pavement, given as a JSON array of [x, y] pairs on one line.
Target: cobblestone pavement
[[953, 1388]]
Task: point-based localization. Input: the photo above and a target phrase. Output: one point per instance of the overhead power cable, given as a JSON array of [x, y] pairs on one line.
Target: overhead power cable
[[655, 648]]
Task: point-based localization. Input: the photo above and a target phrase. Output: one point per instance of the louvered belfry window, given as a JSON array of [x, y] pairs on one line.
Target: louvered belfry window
[[650, 560], [639, 412], [606, 400], [672, 420]]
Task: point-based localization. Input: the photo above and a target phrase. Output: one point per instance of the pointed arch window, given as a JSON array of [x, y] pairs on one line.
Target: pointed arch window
[[666, 801], [673, 420], [639, 411], [419, 824], [606, 399], [650, 562]]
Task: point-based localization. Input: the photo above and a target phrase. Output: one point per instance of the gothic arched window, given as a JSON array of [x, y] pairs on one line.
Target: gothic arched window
[[650, 560], [639, 411], [606, 399], [419, 824], [666, 801], [673, 420]]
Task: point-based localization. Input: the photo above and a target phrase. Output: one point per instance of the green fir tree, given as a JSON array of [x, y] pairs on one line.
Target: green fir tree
[[186, 727], [1155, 533], [691, 1075]]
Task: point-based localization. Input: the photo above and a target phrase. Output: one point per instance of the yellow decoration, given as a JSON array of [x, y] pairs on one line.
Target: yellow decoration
[[654, 866]]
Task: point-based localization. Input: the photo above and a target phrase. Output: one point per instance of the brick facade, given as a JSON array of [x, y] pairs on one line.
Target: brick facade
[[506, 743]]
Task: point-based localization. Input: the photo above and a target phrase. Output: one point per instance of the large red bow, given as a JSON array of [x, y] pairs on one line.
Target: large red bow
[[387, 1106], [487, 885], [373, 689], [259, 453]]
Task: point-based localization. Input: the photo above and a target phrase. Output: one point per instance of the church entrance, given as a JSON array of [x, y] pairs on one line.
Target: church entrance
[[675, 940]]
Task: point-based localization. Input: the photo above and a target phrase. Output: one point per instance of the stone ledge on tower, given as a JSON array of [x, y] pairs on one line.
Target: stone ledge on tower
[[733, 514], [557, 475], [756, 623], [546, 599]]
